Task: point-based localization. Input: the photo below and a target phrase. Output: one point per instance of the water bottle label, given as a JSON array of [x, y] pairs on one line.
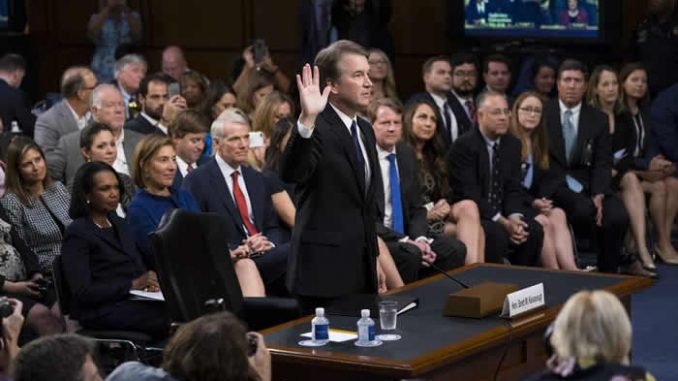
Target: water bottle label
[[370, 332], [321, 332]]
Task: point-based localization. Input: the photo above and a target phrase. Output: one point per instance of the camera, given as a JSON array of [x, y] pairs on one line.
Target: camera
[[43, 284], [5, 307]]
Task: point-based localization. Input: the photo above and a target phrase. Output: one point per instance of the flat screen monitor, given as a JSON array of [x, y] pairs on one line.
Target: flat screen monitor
[[533, 19], [4, 14]]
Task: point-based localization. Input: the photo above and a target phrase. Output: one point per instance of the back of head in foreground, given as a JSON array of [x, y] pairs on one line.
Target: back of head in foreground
[[65, 357]]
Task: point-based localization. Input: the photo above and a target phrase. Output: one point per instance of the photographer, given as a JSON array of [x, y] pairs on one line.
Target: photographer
[[210, 348], [20, 278]]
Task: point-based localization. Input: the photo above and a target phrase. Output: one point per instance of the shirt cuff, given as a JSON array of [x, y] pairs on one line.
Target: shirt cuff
[[304, 131], [516, 215], [496, 217], [425, 239]]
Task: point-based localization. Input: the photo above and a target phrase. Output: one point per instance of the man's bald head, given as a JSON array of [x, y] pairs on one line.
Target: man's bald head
[[77, 78], [173, 62]]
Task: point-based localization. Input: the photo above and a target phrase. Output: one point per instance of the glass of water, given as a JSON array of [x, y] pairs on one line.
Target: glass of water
[[388, 319]]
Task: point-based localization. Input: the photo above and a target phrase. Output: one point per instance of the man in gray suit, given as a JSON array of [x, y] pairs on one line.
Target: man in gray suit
[[107, 108], [72, 113]]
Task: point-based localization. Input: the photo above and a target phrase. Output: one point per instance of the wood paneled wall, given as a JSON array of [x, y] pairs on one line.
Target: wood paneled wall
[[214, 32]]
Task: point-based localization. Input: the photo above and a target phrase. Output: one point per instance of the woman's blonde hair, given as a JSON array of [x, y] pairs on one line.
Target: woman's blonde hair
[[540, 139], [265, 112], [592, 325], [144, 152]]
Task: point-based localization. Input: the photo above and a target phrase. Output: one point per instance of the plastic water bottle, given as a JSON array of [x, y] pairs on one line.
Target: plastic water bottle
[[320, 326], [365, 328]]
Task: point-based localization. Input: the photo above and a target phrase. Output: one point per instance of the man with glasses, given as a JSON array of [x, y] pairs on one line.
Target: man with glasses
[[484, 166], [72, 113], [464, 82], [580, 149]]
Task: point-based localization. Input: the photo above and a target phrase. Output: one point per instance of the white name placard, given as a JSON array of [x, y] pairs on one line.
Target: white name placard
[[523, 301]]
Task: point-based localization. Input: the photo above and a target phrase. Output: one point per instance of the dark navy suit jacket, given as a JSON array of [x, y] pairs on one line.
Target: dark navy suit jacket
[[208, 186]]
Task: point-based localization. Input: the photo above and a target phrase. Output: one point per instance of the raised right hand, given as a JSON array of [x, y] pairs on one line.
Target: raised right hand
[[312, 101]]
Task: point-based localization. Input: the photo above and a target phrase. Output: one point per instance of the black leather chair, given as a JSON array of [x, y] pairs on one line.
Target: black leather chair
[[197, 276], [137, 346]]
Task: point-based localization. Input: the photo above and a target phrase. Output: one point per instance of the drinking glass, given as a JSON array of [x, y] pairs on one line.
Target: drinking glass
[[388, 319]]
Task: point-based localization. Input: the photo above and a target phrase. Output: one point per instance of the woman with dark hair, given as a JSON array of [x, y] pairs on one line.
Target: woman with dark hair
[[153, 170], [101, 264], [529, 126], [36, 206], [543, 78], [97, 143], [258, 86], [193, 88], [459, 219], [642, 171], [218, 98]]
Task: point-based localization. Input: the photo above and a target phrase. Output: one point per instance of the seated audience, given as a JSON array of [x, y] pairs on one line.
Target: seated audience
[[543, 79], [107, 108], [36, 205], [484, 167], [213, 347], [173, 62], [218, 98], [101, 264], [223, 185], [381, 75], [15, 105], [152, 95], [129, 71], [400, 214], [591, 340], [580, 148], [643, 170], [497, 74], [97, 143], [663, 116], [154, 174], [188, 132], [65, 357], [22, 279], [193, 88], [457, 219], [72, 113], [529, 126], [464, 83]]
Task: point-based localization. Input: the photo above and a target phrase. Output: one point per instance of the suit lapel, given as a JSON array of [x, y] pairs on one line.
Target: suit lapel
[[583, 134], [221, 191], [346, 141], [557, 141], [99, 233], [483, 162], [67, 119]]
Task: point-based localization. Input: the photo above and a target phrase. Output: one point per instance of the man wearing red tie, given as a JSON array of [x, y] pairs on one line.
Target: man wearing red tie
[[226, 186]]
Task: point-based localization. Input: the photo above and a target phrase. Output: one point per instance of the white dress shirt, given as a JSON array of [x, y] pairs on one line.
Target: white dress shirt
[[154, 122], [80, 120], [226, 171], [453, 127], [385, 166], [120, 163], [182, 166]]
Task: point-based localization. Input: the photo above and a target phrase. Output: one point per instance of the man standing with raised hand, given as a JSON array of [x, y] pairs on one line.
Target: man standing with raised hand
[[331, 157]]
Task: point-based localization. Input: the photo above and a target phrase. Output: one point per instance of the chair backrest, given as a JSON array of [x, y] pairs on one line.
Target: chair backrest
[[63, 294], [194, 265]]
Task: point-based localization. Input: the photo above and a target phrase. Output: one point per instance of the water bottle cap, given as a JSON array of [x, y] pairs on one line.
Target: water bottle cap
[[319, 311], [365, 313]]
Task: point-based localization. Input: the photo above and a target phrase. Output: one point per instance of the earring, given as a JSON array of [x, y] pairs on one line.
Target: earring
[[87, 201]]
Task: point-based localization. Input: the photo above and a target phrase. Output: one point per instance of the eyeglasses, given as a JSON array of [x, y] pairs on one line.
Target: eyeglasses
[[530, 110], [377, 62]]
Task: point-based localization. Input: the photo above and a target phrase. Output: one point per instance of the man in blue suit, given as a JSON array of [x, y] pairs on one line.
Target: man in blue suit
[[224, 185], [188, 132]]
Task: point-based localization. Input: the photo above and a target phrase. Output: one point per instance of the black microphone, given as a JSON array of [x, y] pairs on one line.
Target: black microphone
[[455, 280]]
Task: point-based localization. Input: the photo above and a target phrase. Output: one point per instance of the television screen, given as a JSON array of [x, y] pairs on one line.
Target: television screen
[[577, 19]]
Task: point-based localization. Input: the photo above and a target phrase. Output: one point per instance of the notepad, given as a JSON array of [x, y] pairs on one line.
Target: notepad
[[145, 295], [336, 335]]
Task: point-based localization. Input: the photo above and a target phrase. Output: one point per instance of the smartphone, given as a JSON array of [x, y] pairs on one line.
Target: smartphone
[[259, 50], [256, 139], [173, 89]]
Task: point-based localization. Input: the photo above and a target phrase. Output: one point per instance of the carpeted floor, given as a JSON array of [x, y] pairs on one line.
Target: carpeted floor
[[655, 325]]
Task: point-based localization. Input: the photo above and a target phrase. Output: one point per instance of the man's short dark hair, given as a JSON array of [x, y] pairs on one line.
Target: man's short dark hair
[[428, 64], [328, 59], [464, 58], [72, 83], [52, 358], [12, 62], [155, 77], [573, 65], [496, 58]]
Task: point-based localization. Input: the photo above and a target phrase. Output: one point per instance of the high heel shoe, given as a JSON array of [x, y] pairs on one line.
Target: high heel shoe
[[636, 268], [661, 258]]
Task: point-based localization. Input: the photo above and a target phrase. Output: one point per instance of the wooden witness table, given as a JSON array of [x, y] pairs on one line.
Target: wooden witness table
[[435, 347]]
